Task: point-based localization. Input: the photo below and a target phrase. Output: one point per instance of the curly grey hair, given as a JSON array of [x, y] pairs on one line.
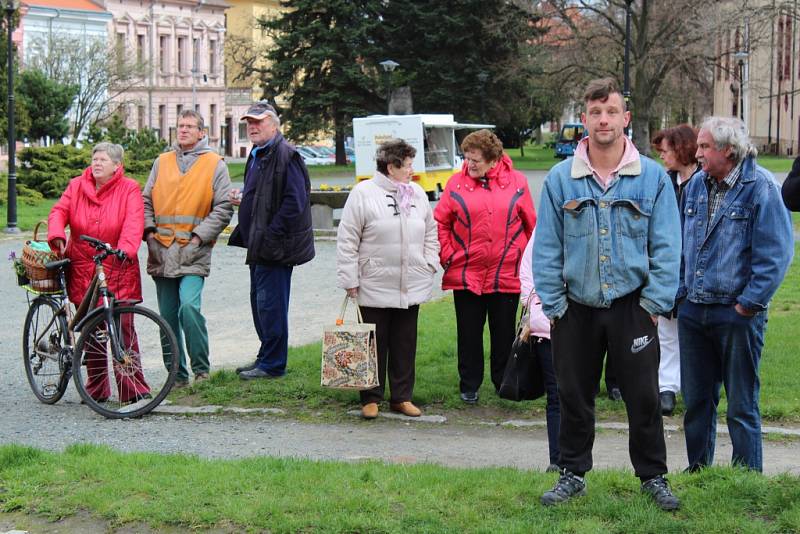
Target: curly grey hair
[[114, 151], [394, 152], [730, 131]]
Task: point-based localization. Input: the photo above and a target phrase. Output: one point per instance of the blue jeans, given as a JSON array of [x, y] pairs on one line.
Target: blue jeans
[[718, 346], [269, 302]]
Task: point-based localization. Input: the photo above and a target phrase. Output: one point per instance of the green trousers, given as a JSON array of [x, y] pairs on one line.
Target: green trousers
[[179, 304]]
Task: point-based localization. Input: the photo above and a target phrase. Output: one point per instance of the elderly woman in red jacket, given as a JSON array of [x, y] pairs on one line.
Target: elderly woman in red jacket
[[104, 204], [485, 218]]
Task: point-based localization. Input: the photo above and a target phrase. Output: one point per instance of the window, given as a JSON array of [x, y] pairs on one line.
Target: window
[[212, 112], [162, 121], [140, 48], [121, 42], [212, 57], [140, 117], [182, 54], [242, 131], [178, 110], [195, 54], [163, 44]]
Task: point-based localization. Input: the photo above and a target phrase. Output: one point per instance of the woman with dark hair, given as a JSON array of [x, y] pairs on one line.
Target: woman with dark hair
[[676, 147], [386, 255], [485, 218], [791, 187]]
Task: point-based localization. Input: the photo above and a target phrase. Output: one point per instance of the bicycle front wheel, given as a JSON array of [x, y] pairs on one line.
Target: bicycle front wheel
[[136, 381], [44, 350]]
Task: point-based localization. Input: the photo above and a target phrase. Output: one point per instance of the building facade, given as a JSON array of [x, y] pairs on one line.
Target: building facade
[[180, 43], [757, 78]]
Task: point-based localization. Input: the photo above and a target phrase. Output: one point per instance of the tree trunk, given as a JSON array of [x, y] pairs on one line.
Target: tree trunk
[[641, 132], [341, 156]]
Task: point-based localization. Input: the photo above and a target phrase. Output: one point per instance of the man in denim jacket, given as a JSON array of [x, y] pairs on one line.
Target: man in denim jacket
[[605, 266], [738, 244]]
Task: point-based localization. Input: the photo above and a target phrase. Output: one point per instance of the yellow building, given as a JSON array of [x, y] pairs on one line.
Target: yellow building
[[245, 43]]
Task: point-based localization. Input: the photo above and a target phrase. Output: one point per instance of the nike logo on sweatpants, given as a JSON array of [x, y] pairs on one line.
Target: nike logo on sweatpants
[[640, 343]]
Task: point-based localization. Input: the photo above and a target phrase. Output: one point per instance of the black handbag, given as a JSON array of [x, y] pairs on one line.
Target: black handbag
[[522, 379]]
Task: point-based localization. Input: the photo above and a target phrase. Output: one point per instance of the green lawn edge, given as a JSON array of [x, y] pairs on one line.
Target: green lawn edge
[[297, 495]]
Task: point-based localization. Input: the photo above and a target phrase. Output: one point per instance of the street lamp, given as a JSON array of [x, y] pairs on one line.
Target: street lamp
[[11, 226], [483, 76], [388, 67], [626, 89], [741, 57]]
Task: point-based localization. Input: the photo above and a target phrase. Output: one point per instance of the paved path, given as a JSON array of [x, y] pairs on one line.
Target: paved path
[[314, 303]]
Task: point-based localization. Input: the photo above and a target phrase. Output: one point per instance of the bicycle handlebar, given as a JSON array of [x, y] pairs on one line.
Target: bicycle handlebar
[[105, 249]]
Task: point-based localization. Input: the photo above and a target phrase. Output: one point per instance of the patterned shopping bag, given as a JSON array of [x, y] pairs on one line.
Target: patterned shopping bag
[[349, 354]]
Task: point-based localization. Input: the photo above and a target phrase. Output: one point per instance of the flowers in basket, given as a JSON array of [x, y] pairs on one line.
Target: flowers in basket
[[19, 268]]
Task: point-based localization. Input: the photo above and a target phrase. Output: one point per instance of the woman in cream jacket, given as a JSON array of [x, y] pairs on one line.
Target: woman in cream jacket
[[386, 256]]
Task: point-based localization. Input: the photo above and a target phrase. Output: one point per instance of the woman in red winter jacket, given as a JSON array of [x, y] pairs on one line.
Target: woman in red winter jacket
[[485, 218], [104, 204]]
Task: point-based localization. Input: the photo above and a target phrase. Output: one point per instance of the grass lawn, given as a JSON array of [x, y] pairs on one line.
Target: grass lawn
[[436, 387], [287, 495], [27, 215]]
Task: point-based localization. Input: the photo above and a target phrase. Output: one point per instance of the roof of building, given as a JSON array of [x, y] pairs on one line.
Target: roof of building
[[84, 5]]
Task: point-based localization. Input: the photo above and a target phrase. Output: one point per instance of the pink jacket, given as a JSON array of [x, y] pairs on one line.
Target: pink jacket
[[483, 230], [540, 325], [114, 214]]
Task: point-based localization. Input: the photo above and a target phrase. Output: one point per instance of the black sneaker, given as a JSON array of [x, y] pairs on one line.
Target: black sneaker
[[658, 489], [568, 486], [469, 397]]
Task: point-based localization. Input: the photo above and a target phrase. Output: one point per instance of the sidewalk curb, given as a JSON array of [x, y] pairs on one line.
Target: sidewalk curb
[[173, 409]]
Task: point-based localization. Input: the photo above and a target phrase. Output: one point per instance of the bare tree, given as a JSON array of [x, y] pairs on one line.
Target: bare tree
[[102, 75], [673, 48]]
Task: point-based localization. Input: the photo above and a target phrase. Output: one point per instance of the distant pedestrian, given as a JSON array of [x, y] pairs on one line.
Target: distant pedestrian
[[676, 147], [791, 187], [485, 218], [605, 265], [386, 256], [737, 247], [186, 207], [538, 334], [275, 228]]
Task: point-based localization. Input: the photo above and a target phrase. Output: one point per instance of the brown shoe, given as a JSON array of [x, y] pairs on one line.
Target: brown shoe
[[406, 408], [200, 377], [369, 410]]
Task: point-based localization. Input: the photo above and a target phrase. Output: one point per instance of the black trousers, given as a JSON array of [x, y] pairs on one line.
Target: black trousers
[[471, 312], [396, 336], [580, 339]]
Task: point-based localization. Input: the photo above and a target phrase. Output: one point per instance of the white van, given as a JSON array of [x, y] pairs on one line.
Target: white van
[[434, 137]]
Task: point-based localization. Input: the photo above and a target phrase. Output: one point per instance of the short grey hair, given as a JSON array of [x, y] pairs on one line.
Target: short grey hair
[[730, 132], [114, 151], [193, 114]]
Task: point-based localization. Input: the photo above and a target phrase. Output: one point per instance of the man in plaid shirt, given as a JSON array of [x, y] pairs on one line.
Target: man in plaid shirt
[[737, 247]]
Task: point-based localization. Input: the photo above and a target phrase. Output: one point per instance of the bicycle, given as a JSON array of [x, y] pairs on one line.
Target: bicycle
[[118, 339]]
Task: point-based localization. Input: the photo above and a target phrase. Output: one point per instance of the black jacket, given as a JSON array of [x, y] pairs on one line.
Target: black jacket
[[280, 232], [791, 187]]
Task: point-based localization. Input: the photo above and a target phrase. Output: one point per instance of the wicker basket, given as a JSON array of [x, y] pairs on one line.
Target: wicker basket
[[34, 261]]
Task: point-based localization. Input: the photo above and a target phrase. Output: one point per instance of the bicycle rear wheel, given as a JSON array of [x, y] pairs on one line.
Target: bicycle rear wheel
[[44, 350], [137, 384]]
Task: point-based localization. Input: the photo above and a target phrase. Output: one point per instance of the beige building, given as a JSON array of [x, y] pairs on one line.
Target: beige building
[[758, 80], [246, 42], [182, 43]]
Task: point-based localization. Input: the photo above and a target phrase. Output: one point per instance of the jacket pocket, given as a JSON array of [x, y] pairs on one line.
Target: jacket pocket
[[633, 216], [579, 217], [737, 219], [155, 257]]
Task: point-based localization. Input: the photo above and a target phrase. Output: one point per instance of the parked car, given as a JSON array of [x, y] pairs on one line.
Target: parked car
[[312, 157], [568, 140]]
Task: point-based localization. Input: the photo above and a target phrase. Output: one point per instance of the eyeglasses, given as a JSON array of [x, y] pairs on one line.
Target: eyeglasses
[[475, 161]]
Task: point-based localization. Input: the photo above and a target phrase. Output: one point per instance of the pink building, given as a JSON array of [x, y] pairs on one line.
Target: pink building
[[181, 42]]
